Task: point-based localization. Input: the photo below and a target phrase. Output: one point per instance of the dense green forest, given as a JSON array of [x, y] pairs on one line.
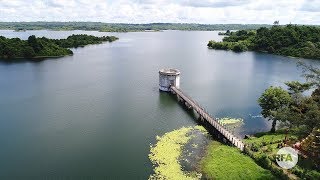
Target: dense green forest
[[118, 27], [289, 40], [34, 47]]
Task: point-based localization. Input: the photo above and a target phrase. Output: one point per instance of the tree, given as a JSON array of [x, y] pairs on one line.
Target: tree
[[311, 73], [312, 114], [239, 47], [289, 40], [311, 144], [211, 43], [295, 87], [316, 96], [33, 42], [276, 23], [272, 100], [296, 90], [28, 52], [316, 143], [17, 48], [303, 110], [9, 52]]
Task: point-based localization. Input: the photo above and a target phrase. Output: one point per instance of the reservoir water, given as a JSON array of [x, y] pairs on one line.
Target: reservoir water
[[95, 114]]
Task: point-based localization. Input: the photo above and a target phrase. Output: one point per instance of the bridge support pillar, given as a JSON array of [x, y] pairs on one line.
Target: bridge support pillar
[[224, 140], [188, 105], [179, 98], [172, 91]]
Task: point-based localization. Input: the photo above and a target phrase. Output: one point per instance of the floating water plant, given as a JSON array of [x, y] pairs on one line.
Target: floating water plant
[[166, 152], [230, 121]]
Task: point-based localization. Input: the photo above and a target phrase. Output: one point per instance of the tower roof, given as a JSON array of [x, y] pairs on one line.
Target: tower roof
[[169, 71]]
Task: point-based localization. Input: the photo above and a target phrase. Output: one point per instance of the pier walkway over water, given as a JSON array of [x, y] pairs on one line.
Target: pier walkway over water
[[191, 104]]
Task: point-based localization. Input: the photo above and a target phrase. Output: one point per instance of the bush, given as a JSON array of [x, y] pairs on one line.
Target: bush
[[279, 172], [264, 143], [263, 161], [239, 47], [312, 175], [269, 149], [255, 147], [297, 171]]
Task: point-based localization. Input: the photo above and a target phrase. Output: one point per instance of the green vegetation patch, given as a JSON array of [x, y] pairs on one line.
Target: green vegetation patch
[[294, 108], [225, 162], [289, 40], [263, 148], [269, 138], [12, 48], [166, 152], [229, 121]]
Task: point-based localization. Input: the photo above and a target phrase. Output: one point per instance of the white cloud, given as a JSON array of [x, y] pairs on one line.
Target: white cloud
[[214, 3], [146, 11], [311, 6]]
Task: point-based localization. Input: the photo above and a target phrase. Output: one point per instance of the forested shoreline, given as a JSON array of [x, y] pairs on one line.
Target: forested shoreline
[[123, 27], [36, 47], [289, 40], [297, 114]]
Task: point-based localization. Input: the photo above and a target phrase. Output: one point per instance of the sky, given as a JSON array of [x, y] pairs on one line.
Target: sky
[[171, 11]]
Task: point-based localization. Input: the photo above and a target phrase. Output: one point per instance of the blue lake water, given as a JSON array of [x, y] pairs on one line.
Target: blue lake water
[[95, 114]]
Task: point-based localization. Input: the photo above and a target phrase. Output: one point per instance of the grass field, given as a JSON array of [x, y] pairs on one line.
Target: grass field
[[225, 162], [264, 146]]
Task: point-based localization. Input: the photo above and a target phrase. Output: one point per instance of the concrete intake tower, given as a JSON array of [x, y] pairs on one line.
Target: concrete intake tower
[[169, 77]]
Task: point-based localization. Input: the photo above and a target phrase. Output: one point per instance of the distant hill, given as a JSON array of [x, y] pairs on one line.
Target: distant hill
[[119, 27]]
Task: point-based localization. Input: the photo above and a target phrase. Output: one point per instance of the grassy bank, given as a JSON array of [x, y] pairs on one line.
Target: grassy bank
[[174, 151], [225, 162], [263, 148]]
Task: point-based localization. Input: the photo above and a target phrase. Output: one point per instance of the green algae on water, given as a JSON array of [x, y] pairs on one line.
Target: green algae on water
[[230, 121], [166, 152]]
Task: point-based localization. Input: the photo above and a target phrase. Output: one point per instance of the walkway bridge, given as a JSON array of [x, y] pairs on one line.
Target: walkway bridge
[[191, 104]]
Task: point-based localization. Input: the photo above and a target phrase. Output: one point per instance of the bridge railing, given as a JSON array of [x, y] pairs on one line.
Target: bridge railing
[[218, 125]]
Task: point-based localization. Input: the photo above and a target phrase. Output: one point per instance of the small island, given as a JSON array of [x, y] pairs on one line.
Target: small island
[[35, 47], [289, 40]]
